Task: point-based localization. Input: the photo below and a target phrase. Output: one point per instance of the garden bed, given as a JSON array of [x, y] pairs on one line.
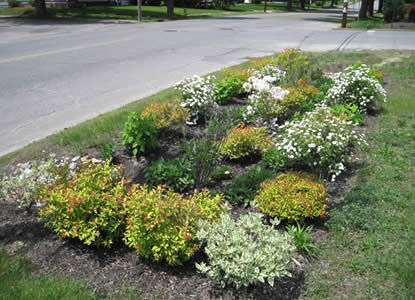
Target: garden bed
[[119, 269]]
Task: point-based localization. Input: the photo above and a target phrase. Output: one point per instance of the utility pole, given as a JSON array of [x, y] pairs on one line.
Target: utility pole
[[265, 6], [345, 6], [140, 10]]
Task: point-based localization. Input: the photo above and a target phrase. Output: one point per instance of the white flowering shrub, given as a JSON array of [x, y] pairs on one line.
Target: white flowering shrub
[[357, 85], [320, 141], [246, 251], [24, 186], [197, 93], [263, 80]]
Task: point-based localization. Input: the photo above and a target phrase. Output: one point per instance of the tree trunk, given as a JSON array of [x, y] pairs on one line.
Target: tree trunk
[[370, 8], [380, 8], [302, 4], [170, 9], [265, 6], [140, 10], [363, 10], [40, 7], [289, 4]]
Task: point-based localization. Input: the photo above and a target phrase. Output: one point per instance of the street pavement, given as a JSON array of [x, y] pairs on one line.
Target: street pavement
[[55, 74]]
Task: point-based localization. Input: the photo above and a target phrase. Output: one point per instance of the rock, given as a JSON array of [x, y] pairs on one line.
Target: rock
[[27, 173], [27, 165], [96, 161], [84, 159], [72, 165], [76, 159], [14, 247], [133, 167]]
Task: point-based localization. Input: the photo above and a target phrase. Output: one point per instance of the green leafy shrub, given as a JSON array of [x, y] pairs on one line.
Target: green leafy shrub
[[293, 196], [348, 113], [176, 174], [244, 187], [24, 186], [244, 252], [245, 141], [161, 223], [302, 238], [320, 141], [89, 206], [107, 151], [139, 135], [231, 85], [295, 99], [166, 114]]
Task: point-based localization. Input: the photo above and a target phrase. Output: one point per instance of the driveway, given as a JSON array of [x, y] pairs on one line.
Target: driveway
[[54, 75]]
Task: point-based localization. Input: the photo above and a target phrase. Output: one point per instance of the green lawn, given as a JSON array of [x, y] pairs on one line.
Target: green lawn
[[150, 13]]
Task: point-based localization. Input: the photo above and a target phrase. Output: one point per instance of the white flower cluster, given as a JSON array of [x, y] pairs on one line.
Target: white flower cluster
[[197, 93], [262, 80], [355, 85], [320, 141], [264, 95]]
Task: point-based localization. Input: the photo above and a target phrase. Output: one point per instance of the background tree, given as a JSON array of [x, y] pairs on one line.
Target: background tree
[[40, 8], [380, 6], [140, 10], [363, 9], [170, 9]]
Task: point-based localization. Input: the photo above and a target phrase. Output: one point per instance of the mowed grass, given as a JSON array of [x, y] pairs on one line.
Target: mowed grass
[[370, 249], [151, 13], [18, 282]]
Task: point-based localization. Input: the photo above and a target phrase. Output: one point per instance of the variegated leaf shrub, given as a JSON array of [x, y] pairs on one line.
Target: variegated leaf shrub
[[244, 252]]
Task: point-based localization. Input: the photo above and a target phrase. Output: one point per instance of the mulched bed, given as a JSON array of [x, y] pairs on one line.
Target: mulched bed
[[111, 271]]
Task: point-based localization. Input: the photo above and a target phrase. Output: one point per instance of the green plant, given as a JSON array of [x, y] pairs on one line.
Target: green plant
[[89, 206], [14, 3], [302, 238], [231, 85], [166, 114], [294, 63], [293, 196], [244, 252], [107, 151], [245, 141], [348, 112], [221, 173], [244, 187], [162, 223], [139, 135], [24, 186], [176, 174]]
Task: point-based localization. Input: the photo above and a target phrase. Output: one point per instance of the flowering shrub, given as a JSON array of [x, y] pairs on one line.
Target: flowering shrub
[[24, 186], [357, 85], [262, 80], [89, 206], [259, 63], [197, 93], [161, 223], [245, 252], [139, 135], [292, 196], [295, 99], [231, 85], [166, 114], [294, 63], [245, 141], [320, 141]]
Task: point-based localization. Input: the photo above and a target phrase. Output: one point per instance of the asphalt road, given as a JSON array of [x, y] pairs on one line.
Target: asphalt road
[[56, 74]]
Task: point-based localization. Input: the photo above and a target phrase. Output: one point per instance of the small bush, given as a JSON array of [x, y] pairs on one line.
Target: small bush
[[161, 224], [348, 113], [107, 151], [359, 85], [260, 63], [293, 196], [319, 141], [221, 173], [244, 187], [24, 186], [166, 114], [245, 141], [139, 135], [244, 252], [176, 174], [302, 239], [89, 206], [231, 85], [295, 99]]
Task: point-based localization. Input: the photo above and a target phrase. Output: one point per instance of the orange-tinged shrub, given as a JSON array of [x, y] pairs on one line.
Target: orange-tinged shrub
[[259, 63], [245, 141], [166, 114], [293, 196]]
